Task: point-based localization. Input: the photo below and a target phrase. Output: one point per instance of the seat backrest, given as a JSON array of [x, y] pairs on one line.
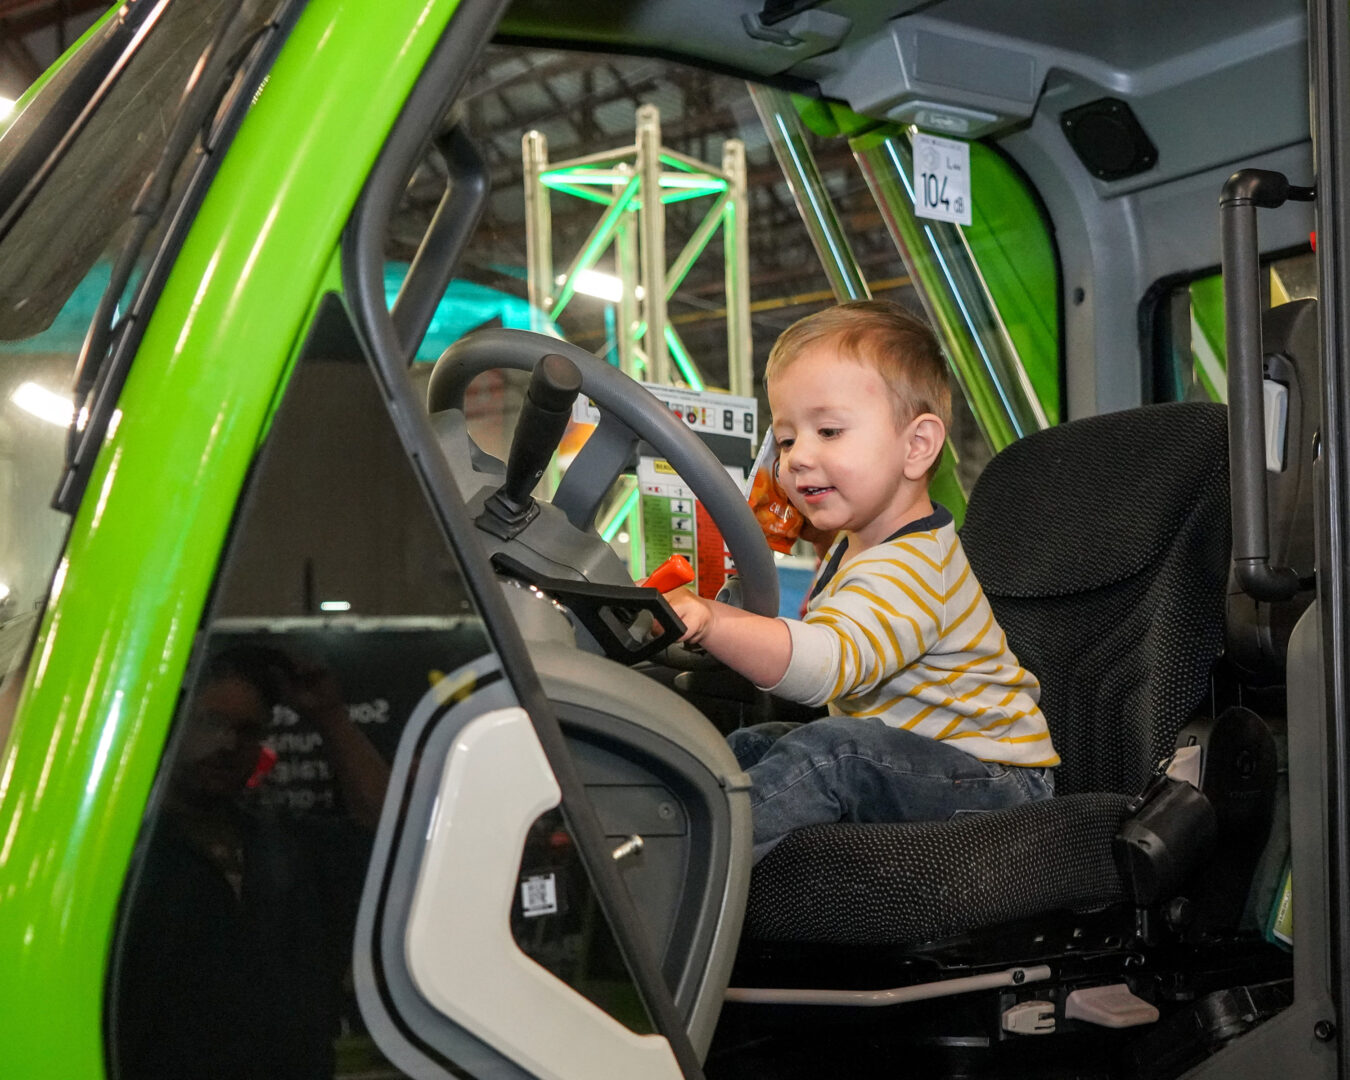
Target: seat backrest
[[1104, 546]]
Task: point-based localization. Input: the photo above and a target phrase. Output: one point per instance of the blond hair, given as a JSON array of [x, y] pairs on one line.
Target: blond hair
[[900, 345]]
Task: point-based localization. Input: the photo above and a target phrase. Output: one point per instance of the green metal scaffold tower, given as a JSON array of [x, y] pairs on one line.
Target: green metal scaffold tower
[[634, 184]]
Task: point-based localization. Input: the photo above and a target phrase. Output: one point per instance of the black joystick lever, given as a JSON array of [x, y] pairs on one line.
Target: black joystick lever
[[543, 419]]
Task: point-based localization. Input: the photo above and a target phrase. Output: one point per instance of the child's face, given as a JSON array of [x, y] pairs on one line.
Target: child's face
[[842, 455]]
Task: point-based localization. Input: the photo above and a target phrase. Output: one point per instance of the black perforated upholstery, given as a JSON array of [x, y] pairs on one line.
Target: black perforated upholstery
[[923, 881], [1103, 546]]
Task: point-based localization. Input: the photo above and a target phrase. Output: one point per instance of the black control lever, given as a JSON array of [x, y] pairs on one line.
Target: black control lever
[[543, 419], [609, 612], [1242, 194]]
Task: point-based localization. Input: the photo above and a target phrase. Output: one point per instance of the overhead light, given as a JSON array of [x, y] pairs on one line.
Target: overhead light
[[56, 408], [6, 107], [4, 592], [335, 605], [44, 404], [597, 284]]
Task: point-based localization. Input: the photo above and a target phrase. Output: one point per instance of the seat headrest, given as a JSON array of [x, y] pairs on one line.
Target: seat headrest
[[1117, 487]]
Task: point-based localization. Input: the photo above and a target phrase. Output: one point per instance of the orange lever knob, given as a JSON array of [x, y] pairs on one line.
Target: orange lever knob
[[671, 574]]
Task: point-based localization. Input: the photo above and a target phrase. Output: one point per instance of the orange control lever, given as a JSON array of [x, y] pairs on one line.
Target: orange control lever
[[671, 574]]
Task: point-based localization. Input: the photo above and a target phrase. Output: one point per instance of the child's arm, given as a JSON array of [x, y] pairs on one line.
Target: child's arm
[[757, 647]]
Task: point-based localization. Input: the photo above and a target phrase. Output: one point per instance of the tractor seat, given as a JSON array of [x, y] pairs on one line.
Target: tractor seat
[[1103, 546]]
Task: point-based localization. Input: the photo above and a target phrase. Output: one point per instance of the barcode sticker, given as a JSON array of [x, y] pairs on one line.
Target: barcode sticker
[[539, 896]]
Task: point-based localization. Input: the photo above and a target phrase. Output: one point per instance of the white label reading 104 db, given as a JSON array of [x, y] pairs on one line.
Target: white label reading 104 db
[[942, 179]]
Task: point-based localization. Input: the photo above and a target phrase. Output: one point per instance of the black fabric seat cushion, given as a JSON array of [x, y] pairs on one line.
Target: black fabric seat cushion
[[923, 881], [1103, 546]]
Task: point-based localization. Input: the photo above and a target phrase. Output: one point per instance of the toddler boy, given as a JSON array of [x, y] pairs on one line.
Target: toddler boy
[[931, 714]]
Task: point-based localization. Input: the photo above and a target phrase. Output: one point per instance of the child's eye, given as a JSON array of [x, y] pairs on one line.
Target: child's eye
[[785, 444], [830, 432]]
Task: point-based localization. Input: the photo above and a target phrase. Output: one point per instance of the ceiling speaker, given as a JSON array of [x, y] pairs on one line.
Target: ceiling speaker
[[1107, 137]]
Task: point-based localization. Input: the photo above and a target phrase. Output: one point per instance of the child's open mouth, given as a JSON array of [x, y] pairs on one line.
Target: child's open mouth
[[814, 494]]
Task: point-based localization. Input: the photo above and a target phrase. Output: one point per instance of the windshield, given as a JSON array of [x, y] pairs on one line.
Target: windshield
[[56, 254]]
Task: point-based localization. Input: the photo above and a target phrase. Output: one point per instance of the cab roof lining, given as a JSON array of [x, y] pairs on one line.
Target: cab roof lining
[[869, 54]]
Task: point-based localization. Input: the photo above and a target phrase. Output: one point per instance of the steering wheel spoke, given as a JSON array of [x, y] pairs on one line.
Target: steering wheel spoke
[[606, 454]]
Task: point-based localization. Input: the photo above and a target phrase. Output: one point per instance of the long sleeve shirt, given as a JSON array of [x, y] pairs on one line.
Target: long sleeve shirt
[[903, 631]]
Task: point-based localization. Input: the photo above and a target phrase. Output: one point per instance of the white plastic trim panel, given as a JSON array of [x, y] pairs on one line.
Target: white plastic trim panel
[[459, 948]]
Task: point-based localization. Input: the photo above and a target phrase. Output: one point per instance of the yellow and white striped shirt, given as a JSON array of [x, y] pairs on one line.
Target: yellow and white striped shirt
[[903, 631]]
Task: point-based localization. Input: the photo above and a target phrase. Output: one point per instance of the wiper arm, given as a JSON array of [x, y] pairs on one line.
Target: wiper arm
[[106, 353], [57, 130]]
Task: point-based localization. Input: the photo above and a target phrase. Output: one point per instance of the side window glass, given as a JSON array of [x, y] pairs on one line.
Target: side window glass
[[50, 287], [340, 656], [339, 607], [1189, 359]]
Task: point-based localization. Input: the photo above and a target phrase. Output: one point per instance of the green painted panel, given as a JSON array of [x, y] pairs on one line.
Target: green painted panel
[[129, 594], [1015, 253], [1207, 336], [946, 488], [1012, 250]]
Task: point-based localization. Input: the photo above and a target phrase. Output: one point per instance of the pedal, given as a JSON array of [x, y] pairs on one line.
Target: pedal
[[1109, 1006], [1030, 1018]]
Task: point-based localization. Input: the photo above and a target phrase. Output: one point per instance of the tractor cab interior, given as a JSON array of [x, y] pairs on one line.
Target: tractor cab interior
[[429, 687], [1106, 543]]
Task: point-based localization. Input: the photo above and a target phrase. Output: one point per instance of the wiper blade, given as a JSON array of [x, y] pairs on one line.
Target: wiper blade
[[46, 145], [106, 353]]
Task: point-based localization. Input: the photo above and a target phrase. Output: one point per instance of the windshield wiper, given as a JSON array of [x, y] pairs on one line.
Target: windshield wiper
[[90, 83], [206, 117]]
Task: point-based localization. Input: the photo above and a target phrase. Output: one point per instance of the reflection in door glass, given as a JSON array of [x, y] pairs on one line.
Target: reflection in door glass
[[338, 609]]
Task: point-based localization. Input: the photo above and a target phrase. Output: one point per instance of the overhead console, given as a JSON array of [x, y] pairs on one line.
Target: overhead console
[[974, 68], [940, 77], [1146, 76]]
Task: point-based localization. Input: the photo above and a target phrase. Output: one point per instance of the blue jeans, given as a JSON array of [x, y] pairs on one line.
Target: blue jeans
[[844, 768]]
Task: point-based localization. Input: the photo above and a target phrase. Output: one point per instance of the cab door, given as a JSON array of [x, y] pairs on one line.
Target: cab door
[[1330, 69], [369, 819], [366, 844], [211, 725]]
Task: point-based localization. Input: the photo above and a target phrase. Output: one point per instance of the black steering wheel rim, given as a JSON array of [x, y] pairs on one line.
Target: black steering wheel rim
[[628, 411]]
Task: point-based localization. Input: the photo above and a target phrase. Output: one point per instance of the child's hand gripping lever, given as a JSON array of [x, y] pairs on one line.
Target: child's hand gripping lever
[[671, 574], [668, 577], [543, 419]]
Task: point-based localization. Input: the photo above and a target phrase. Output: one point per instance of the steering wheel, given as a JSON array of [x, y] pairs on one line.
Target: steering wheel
[[628, 414]]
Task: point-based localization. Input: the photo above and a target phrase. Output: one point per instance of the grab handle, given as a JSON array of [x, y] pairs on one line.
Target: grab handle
[[1242, 194]]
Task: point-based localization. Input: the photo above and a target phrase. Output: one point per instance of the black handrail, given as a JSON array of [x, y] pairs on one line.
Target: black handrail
[[457, 216], [1244, 192]]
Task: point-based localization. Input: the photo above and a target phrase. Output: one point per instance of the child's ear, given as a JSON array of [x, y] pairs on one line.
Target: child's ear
[[924, 436]]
